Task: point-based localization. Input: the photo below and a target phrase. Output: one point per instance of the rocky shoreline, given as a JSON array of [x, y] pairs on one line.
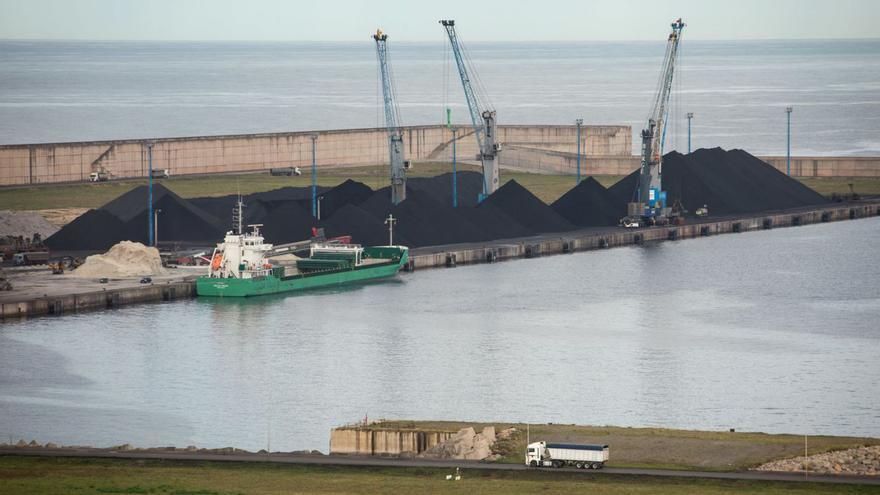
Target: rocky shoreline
[[863, 461]]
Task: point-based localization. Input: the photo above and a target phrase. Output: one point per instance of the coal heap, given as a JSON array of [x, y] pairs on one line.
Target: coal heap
[[494, 223], [423, 220], [93, 230], [286, 221], [529, 211], [469, 187], [728, 182], [347, 193], [363, 227], [221, 206], [588, 205]]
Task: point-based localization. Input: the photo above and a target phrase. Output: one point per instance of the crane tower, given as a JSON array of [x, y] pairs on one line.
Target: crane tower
[[392, 119], [482, 117], [650, 199]]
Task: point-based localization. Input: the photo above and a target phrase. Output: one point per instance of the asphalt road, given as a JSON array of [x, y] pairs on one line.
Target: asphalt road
[[406, 463]]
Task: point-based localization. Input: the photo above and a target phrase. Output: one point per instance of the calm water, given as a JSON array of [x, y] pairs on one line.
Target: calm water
[[70, 91], [774, 331]]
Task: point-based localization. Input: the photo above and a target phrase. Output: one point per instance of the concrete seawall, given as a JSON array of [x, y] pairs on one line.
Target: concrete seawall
[[72, 162], [354, 440], [601, 238], [59, 304], [531, 159]]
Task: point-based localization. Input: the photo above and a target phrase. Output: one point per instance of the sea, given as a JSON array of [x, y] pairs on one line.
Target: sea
[[57, 91], [772, 331]]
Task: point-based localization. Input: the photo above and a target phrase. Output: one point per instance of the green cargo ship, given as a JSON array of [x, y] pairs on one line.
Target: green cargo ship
[[243, 265]]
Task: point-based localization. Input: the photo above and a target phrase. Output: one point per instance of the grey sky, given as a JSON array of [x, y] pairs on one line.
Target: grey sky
[[496, 20]]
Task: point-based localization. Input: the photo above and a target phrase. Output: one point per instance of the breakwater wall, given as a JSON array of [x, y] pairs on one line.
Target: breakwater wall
[[59, 304], [602, 238], [48, 163], [530, 159], [550, 149], [355, 440]]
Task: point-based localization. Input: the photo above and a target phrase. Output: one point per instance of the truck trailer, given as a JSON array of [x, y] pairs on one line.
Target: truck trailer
[[557, 455]]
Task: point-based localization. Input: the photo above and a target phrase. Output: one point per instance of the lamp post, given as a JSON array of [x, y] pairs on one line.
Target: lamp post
[[390, 221], [150, 194], [454, 178], [788, 142], [314, 175], [690, 117], [579, 123]]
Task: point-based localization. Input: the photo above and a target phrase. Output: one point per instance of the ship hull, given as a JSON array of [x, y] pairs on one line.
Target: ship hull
[[236, 287]]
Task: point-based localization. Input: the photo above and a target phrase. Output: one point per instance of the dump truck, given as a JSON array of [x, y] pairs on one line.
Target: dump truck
[[558, 455], [30, 258]]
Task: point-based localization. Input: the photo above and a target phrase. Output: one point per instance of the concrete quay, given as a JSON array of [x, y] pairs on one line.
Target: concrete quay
[[608, 237], [42, 293]]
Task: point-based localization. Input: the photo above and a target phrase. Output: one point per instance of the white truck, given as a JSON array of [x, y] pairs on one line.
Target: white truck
[[557, 455]]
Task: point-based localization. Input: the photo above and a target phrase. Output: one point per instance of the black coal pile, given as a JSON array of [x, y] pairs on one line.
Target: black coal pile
[[588, 205], [468, 188], [728, 182], [529, 211], [286, 221], [126, 218], [347, 193], [221, 206], [423, 220], [494, 223], [94, 230], [363, 227]]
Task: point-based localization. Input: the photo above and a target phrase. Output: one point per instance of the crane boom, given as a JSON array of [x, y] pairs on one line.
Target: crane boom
[[650, 197], [395, 134], [482, 119]]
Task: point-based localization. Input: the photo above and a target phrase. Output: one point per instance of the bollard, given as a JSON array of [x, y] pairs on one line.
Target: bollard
[[450, 260]]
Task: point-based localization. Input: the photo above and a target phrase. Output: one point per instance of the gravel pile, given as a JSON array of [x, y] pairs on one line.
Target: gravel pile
[[24, 224]]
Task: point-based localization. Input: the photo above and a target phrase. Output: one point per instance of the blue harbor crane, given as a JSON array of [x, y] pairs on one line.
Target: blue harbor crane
[[482, 116], [392, 119], [649, 205]]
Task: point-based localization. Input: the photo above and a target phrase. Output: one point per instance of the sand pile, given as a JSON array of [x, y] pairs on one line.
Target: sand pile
[[126, 259], [24, 224]]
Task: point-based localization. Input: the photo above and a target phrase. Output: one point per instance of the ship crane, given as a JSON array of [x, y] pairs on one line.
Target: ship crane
[[482, 117], [650, 199], [392, 119]]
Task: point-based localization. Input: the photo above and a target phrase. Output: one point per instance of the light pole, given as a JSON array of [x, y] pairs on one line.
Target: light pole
[[690, 117], [454, 178], [788, 142], [314, 175], [319, 206], [390, 221], [150, 194], [156, 225], [579, 123]]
